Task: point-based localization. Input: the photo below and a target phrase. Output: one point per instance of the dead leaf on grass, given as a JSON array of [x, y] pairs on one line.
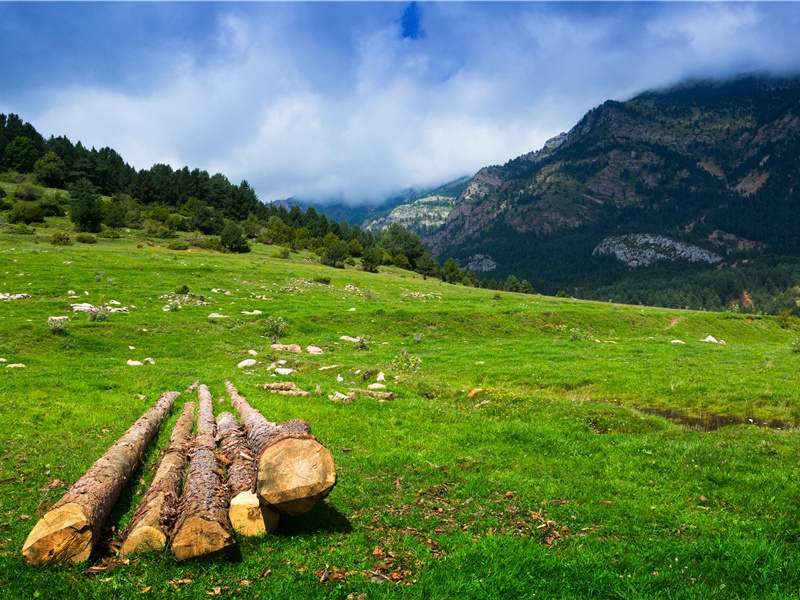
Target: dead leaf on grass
[[144, 590]]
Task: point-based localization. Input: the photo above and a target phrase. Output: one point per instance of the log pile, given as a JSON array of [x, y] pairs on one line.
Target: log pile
[[69, 531], [153, 519], [295, 471], [203, 527], [248, 516]]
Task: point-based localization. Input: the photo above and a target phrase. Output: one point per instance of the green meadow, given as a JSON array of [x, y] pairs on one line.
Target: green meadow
[[527, 452]]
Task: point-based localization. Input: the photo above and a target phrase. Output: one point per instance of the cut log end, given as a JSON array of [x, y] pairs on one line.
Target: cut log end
[[294, 474], [201, 537], [62, 535], [145, 538], [249, 517]]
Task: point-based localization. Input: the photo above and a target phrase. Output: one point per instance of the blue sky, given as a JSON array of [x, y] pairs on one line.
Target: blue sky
[[357, 100]]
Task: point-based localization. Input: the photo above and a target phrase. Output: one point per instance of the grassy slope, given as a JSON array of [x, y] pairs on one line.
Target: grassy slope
[[457, 496]]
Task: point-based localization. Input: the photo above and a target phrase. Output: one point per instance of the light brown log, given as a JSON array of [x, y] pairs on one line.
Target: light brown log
[[295, 471], [374, 393], [153, 518], [203, 527], [70, 530], [248, 515]]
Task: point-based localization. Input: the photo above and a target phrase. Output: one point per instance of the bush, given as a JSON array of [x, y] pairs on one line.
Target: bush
[[183, 290], [20, 229], [86, 238], [109, 234], [323, 280], [98, 315], [178, 245], [60, 238], [26, 213], [232, 238], [275, 328], [57, 327]]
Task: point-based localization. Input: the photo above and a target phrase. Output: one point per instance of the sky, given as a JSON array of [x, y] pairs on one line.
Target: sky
[[355, 101]]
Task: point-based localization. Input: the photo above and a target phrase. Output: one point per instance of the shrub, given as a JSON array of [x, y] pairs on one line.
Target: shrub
[[86, 238], [275, 328], [178, 245], [98, 315], [795, 345], [60, 238], [57, 327], [323, 280], [109, 234], [406, 363], [232, 238], [283, 253], [183, 290], [20, 229]]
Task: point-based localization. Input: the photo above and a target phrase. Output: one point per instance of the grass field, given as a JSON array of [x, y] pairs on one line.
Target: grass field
[[515, 461]]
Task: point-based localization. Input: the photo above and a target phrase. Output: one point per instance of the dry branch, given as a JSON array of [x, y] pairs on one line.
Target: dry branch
[[203, 527], [69, 531], [247, 515], [153, 518], [295, 471]]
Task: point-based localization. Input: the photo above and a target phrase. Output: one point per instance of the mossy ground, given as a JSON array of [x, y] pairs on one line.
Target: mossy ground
[[513, 462]]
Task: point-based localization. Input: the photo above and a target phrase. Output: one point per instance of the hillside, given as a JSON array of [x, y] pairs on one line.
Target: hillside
[[525, 430], [709, 166]]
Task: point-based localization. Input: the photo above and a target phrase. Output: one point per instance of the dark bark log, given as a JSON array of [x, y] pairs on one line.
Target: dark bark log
[[153, 518], [246, 512], [69, 531], [203, 527], [295, 471]]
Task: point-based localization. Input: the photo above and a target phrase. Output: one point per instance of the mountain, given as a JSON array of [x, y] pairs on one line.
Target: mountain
[[711, 165]]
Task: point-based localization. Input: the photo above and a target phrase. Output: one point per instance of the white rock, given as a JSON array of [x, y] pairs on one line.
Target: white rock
[[677, 342], [347, 338], [71, 292], [114, 302], [134, 363], [165, 308], [249, 362], [15, 366], [217, 316], [85, 293], [252, 353], [149, 361], [284, 371], [358, 371], [131, 347], [338, 397], [352, 310], [339, 378], [57, 319], [3, 360], [325, 368], [314, 350], [251, 312], [381, 376], [272, 366], [281, 363], [82, 307], [710, 339], [376, 386]]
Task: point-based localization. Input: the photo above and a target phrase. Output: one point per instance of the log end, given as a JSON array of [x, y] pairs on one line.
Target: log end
[[199, 537], [249, 517], [294, 474], [145, 538], [64, 534]]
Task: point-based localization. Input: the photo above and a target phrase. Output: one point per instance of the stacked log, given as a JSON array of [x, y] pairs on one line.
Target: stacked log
[[69, 531], [151, 522], [295, 471], [247, 514], [203, 527]]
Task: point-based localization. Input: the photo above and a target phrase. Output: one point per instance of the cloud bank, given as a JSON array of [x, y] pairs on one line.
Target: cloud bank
[[356, 101]]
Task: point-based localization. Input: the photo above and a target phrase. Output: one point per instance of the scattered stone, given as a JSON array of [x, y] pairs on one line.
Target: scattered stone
[[327, 367], [354, 392], [71, 293], [480, 362], [281, 363], [376, 386], [287, 348], [149, 361], [249, 362], [340, 397], [314, 350], [2, 360], [252, 353], [351, 288], [481, 403], [677, 342], [280, 385], [14, 296], [291, 289], [114, 302], [381, 376], [358, 371], [318, 390], [217, 316], [251, 312], [347, 338], [352, 310], [15, 366], [339, 378], [712, 340], [284, 371], [131, 347], [57, 319], [271, 367], [82, 307], [134, 363]]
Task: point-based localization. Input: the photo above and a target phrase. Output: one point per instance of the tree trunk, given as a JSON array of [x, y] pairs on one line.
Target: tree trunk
[[203, 527], [247, 515], [69, 531], [151, 522], [295, 471]]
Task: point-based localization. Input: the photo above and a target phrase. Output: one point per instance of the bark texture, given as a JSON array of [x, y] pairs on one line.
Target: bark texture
[[69, 531], [295, 471], [203, 527], [153, 518], [247, 515]]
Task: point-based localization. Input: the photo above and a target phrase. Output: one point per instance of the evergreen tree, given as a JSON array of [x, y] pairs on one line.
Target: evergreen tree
[[232, 238], [85, 209]]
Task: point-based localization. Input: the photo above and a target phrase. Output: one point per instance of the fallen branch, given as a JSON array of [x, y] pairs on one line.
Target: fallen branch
[[295, 471], [384, 395], [69, 531], [153, 518]]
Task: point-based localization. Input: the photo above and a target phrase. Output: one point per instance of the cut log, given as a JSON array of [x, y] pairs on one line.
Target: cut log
[[374, 393], [69, 531], [248, 515], [153, 519], [295, 471], [203, 527]]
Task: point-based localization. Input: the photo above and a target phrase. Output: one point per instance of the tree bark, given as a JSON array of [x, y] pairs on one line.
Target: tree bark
[[203, 527], [246, 512], [153, 518], [69, 531], [295, 471]]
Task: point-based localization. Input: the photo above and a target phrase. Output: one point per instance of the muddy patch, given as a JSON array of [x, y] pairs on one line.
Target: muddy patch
[[710, 421]]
